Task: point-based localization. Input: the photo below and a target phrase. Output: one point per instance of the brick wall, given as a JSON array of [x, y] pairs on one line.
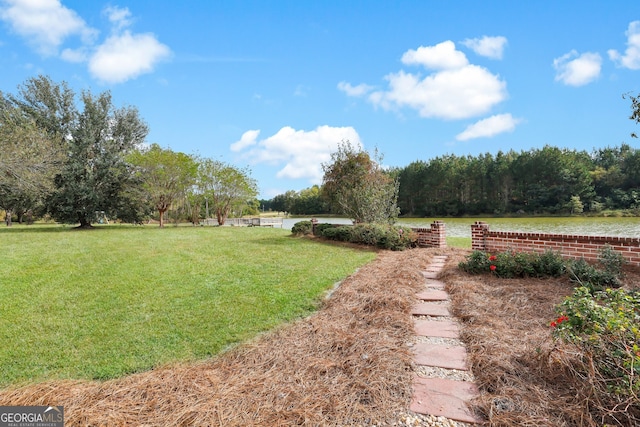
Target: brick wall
[[433, 237], [570, 246]]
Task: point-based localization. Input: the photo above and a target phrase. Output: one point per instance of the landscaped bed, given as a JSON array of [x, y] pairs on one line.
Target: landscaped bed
[[526, 375]]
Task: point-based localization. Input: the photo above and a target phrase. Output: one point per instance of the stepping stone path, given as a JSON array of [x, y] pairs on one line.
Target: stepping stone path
[[438, 349]]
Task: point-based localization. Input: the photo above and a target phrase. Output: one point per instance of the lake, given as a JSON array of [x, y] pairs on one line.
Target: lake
[[461, 227]]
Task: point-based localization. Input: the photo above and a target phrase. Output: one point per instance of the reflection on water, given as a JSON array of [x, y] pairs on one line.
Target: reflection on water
[[461, 227]]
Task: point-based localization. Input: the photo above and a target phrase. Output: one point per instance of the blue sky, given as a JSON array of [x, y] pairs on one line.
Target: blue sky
[[276, 85]]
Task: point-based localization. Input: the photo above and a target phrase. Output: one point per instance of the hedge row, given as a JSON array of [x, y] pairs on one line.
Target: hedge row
[[393, 237]]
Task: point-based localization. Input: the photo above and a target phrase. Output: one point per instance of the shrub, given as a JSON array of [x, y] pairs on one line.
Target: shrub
[[598, 279], [612, 261], [382, 236], [302, 228], [476, 263], [397, 238], [549, 263], [515, 264], [341, 233], [323, 226], [606, 327], [390, 237]]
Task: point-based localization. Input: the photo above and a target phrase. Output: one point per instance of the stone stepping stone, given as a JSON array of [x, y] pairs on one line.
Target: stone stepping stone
[[433, 295], [430, 274], [436, 328], [436, 265], [429, 308], [435, 284], [445, 398], [441, 356]]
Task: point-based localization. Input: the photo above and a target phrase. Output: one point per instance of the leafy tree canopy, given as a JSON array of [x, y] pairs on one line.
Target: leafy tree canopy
[[94, 176], [166, 175], [356, 186], [228, 188]]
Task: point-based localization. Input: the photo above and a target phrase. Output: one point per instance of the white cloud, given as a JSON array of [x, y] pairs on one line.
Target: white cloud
[[45, 24], [631, 57], [442, 56], [451, 94], [359, 90], [489, 127], [491, 47], [74, 55], [120, 18], [577, 70], [126, 56], [455, 89], [299, 153], [248, 139]]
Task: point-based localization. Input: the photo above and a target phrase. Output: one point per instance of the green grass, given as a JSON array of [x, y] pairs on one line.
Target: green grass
[[459, 242], [103, 303]]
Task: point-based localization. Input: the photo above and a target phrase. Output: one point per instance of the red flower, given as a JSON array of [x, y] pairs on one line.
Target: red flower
[[493, 268], [493, 258], [559, 320]]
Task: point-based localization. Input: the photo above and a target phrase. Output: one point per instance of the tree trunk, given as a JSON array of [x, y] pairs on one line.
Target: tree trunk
[[161, 212], [84, 223], [8, 217], [221, 218]]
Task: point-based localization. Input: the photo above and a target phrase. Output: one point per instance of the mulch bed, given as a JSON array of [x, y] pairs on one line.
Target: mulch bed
[[526, 377]]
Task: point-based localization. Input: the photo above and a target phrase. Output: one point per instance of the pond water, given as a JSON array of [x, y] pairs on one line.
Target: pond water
[[461, 227]]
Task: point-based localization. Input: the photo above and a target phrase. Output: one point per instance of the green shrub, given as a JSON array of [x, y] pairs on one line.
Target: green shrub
[[341, 233], [512, 264], [476, 263], [397, 238], [390, 237], [302, 228], [366, 234], [598, 279], [606, 326], [612, 261], [323, 226], [382, 236], [549, 263]]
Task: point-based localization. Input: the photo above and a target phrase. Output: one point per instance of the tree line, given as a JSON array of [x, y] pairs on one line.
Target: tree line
[[79, 159], [547, 180]]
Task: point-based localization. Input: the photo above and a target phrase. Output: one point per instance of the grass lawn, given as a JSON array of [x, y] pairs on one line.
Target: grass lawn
[[459, 242], [111, 301]]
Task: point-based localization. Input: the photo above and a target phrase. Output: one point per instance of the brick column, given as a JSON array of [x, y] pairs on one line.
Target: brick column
[[478, 235], [438, 234]]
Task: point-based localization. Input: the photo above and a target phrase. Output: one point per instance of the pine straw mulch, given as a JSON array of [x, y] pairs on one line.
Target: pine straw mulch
[[347, 364], [525, 377]]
